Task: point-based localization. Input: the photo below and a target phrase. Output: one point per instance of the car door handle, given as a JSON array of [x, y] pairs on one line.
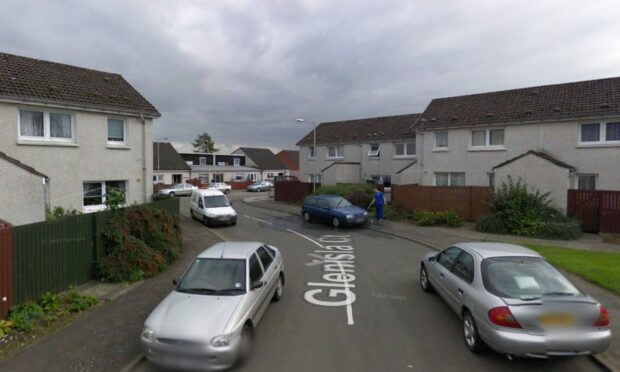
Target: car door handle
[[441, 275], [460, 291]]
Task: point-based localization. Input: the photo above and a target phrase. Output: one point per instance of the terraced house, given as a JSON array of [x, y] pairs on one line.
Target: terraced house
[[87, 131], [381, 149]]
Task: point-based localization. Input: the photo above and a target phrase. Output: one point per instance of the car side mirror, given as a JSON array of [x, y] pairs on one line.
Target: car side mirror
[[175, 282], [258, 284], [432, 258], [229, 202]]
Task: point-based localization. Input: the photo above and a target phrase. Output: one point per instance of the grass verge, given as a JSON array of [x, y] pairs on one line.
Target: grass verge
[[598, 267]]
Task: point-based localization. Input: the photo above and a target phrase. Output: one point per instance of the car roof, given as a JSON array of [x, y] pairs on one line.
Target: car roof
[[230, 250], [208, 192], [491, 249], [326, 196]]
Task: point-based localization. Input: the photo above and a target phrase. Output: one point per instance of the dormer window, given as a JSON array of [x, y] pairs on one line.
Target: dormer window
[[237, 162], [202, 160]]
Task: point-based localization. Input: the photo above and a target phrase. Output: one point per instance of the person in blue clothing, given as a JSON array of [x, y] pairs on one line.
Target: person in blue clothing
[[379, 202]]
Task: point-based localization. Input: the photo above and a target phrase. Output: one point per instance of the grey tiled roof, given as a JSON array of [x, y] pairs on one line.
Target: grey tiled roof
[[21, 165], [49, 82], [264, 158], [385, 128], [168, 159], [592, 98]]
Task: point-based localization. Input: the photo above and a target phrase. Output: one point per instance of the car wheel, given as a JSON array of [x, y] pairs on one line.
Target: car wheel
[[277, 296], [307, 217], [245, 344], [335, 222], [470, 333], [205, 220], [171, 194], [258, 190], [191, 213], [424, 281]]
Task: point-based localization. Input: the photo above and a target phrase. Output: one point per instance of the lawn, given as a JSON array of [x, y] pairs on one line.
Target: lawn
[[601, 268]]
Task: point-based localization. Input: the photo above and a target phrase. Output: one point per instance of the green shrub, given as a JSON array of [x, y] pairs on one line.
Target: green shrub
[[357, 193], [59, 212], [5, 327], [141, 242], [423, 217], [25, 316], [518, 210]]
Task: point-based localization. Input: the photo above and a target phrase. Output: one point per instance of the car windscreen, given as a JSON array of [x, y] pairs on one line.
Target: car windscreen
[[338, 203], [525, 278], [216, 201], [178, 186], [213, 276]]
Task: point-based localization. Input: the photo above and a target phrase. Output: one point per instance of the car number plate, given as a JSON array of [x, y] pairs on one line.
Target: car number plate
[[556, 320]]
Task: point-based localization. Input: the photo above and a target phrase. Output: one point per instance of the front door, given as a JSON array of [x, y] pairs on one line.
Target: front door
[[177, 178]]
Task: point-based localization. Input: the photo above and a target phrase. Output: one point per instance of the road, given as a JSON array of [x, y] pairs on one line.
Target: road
[[392, 325]]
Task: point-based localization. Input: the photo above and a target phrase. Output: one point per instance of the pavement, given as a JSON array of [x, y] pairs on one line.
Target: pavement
[[438, 238], [391, 326]]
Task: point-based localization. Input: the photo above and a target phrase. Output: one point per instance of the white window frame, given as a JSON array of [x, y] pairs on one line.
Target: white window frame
[[46, 126], [487, 140], [102, 206], [442, 148], [586, 175], [338, 151], [376, 152], [236, 162], [116, 143], [159, 178], [405, 153], [602, 139], [202, 160], [450, 174]]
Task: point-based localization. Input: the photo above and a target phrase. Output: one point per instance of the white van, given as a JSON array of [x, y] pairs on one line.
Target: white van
[[212, 207]]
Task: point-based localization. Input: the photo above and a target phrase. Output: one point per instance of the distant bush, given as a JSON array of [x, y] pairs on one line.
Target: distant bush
[[518, 210], [59, 212], [357, 193], [141, 242], [423, 217]]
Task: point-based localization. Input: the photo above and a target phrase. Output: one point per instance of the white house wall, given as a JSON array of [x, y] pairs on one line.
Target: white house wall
[[90, 159], [22, 197]]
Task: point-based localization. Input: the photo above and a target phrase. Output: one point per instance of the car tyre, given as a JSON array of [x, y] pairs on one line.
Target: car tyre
[[277, 296], [470, 333], [205, 220], [258, 190], [425, 283], [191, 213], [172, 194], [335, 222], [307, 217]]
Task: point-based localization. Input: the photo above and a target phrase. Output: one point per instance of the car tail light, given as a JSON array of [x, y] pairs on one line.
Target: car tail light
[[503, 317], [603, 317]]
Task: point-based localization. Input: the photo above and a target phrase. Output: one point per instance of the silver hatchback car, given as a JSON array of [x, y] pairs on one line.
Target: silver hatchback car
[[208, 321], [515, 302]]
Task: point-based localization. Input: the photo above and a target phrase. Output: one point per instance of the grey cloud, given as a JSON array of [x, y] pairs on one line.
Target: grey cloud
[[244, 70]]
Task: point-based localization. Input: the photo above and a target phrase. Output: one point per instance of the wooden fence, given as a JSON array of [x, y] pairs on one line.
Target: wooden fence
[[292, 191], [598, 210], [468, 201], [54, 255]]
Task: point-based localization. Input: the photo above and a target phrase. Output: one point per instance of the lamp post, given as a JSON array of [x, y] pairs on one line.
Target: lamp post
[[313, 151], [158, 142]]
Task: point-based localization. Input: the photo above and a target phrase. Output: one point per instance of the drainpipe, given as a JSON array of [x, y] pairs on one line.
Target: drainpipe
[[144, 170]]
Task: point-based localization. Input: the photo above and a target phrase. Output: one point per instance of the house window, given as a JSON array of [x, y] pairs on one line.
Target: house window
[[335, 152], [586, 181], [239, 177], [94, 194], [116, 131], [48, 126], [374, 150], [312, 154], [202, 160], [591, 132], [491, 176], [441, 140], [252, 176], [237, 162], [612, 132], [487, 138], [314, 178], [158, 178], [177, 178], [404, 149], [449, 179], [203, 177]]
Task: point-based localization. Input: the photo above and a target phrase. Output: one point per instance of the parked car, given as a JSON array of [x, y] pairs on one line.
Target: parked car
[[208, 320], [512, 300], [220, 186], [333, 209], [178, 189], [259, 186], [212, 207]]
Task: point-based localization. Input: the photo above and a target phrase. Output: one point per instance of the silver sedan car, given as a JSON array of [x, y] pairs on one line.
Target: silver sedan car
[[178, 189], [208, 321], [511, 299]]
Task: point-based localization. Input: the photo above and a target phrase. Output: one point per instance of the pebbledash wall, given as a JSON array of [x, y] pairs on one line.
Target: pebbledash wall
[[90, 158]]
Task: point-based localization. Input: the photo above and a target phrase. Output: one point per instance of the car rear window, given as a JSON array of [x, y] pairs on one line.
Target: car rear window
[[524, 278]]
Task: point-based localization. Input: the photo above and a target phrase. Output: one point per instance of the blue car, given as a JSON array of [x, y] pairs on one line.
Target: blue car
[[333, 209]]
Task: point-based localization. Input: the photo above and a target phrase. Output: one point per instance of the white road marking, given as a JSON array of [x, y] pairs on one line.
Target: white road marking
[[257, 219], [217, 234], [321, 260]]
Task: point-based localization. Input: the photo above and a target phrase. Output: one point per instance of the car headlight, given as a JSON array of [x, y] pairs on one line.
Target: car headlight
[[365, 213], [349, 216], [221, 341], [148, 334]]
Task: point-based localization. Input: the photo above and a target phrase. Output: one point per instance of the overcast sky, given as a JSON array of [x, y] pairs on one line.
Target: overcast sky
[[243, 71]]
